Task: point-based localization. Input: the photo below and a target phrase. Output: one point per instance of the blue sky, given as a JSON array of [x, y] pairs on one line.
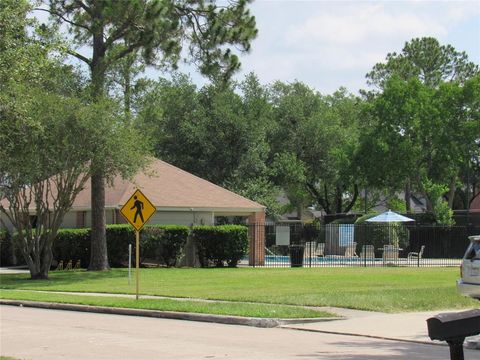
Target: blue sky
[[328, 44]]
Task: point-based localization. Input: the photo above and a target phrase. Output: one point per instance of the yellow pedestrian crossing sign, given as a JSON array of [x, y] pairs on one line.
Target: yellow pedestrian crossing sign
[[137, 210]]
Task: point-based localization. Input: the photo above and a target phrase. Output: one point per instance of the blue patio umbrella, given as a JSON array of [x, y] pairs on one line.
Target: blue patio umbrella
[[389, 217]]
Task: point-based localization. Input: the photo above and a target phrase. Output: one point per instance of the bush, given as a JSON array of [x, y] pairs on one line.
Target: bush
[[6, 249], [165, 243], [118, 239], [159, 242], [343, 221], [220, 244], [72, 244], [426, 218]]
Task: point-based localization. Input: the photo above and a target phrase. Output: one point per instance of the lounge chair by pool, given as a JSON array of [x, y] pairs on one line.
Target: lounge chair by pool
[[416, 255], [368, 252], [350, 250]]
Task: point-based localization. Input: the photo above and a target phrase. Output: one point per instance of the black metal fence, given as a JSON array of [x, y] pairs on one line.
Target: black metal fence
[[342, 245]]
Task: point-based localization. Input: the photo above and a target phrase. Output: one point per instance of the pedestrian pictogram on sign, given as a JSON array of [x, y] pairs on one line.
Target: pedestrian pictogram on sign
[[137, 210]]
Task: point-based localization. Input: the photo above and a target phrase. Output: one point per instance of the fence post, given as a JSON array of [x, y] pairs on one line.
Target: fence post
[[310, 253], [365, 255], [254, 244]]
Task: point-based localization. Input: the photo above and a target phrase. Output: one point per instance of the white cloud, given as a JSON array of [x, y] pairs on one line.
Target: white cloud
[[358, 24], [333, 44], [328, 44]]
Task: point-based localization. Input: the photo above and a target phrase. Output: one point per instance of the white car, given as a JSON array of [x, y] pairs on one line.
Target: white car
[[469, 283]]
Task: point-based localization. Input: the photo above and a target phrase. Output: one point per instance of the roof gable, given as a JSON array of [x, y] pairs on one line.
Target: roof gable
[[167, 186]]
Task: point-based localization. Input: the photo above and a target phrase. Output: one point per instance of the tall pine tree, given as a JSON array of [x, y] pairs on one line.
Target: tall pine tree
[[163, 32]]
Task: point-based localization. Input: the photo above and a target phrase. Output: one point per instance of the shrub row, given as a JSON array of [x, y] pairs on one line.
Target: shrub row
[[6, 249], [219, 244], [161, 243]]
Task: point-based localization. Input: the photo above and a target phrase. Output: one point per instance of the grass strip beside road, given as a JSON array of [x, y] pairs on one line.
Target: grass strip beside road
[[190, 306], [377, 289]]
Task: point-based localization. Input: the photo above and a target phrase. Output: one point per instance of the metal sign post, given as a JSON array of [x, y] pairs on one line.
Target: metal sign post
[[137, 262], [137, 211], [129, 262]]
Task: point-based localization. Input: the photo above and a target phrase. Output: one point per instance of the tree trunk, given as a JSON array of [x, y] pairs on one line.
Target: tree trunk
[[300, 211], [40, 265], [39, 275], [127, 92], [98, 248], [339, 199], [408, 196], [451, 191], [354, 199]]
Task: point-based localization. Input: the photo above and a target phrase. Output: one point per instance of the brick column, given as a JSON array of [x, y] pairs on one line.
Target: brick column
[[256, 234]]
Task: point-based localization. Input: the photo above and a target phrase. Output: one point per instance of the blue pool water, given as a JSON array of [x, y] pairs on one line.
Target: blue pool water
[[319, 260]]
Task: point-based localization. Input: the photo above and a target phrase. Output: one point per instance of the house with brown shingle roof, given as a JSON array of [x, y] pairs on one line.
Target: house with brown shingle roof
[[181, 198]]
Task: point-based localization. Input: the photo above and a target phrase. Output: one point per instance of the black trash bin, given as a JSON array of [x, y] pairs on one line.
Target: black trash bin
[[296, 255]]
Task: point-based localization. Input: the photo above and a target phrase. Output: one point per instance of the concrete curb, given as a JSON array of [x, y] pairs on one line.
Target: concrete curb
[[220, 319]]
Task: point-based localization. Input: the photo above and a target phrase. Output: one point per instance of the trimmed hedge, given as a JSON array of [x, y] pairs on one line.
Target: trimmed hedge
[[118, 239], [163, 243], [6, 249], [216, 245], [10, 253], [221, 244], [72, 244]]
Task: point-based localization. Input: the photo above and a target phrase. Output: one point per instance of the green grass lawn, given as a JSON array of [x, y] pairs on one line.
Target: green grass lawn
[[202, 307], [378, 289]]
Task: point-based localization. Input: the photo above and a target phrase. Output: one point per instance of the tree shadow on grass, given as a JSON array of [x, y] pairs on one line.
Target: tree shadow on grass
[[58, 278]]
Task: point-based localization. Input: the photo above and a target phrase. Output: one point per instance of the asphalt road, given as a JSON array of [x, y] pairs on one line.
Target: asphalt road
[[28, 333]]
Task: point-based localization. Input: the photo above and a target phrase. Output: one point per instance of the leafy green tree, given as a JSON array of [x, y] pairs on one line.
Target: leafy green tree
[[420, 135], [219, 132], [38, 127], [426, 60], [439, 207], [251, 176], [50, 131], [434, 66], [388, 144], [158, 31], [314, 144]]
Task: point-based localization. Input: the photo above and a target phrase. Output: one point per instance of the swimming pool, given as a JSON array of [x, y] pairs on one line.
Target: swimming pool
[[315, 259], [342, 261]]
